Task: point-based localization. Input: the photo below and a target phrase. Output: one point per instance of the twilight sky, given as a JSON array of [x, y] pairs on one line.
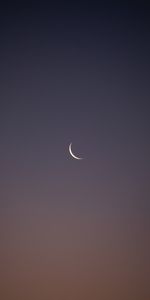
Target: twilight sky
[[74, 229]]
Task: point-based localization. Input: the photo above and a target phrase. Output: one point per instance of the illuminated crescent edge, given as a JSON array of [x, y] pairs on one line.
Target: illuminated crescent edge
[[70, 150]]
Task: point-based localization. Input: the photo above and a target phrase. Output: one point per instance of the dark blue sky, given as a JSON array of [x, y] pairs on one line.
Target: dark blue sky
[[75, 74]]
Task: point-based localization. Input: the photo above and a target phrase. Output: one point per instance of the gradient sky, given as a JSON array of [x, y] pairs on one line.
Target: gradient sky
[[74, 229]]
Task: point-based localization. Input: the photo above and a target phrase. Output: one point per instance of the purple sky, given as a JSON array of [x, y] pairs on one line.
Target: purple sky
[[74, 229]]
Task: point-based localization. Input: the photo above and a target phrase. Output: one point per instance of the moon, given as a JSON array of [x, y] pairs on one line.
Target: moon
[[74, 156]]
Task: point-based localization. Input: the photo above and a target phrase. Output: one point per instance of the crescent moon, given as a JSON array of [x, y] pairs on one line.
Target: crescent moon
[[74, 156]]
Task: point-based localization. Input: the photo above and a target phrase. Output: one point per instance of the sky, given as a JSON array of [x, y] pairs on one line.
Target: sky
[[74, 229]]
